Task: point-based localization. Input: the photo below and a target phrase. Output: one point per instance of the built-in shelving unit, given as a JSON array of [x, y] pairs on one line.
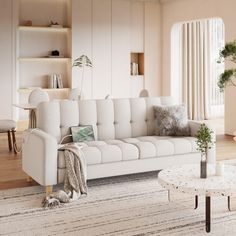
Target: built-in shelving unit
[[136, 73], [137, 64], [37, 37]]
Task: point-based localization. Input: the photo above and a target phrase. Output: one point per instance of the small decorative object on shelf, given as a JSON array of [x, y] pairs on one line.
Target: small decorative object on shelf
[[55, 54], [28, 23], [204, 142], [55, 25], [82, 62]]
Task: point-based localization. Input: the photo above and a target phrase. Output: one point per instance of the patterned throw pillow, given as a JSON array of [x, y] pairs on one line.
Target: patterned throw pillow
[[172, 121], [82, 133]]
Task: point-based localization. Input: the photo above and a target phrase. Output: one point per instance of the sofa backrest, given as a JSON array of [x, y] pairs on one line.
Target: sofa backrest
[[110, 118]]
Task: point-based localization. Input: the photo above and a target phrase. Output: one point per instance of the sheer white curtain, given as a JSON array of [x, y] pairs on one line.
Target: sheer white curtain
[[200, 42], [195, 68], [217, 42]]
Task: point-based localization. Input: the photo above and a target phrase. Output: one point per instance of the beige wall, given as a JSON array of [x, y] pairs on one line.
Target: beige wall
[[174, 11], [6, 75]]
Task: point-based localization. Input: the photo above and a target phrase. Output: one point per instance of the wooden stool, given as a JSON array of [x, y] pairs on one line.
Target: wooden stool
[[9, 127]]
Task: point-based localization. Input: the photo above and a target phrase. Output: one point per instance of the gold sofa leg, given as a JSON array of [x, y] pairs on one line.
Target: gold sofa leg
[[29, 179], [48, 190]]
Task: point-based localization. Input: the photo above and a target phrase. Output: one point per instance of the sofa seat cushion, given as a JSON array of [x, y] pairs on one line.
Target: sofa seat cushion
[[146, 149], [97, 152], [157, 146], [92, 155]]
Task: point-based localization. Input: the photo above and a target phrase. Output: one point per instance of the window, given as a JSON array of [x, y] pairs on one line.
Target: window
[[216, 44], [195, 47]]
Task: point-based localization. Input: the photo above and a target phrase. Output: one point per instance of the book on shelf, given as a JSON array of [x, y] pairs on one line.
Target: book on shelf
[[55, 81], [59, 81], [134, 70]]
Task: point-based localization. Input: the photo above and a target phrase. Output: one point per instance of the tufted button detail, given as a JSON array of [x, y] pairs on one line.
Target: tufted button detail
[[146, 120], [114, 123], [131, 121]]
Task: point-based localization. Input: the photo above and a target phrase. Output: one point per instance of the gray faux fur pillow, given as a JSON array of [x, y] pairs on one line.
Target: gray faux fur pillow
[[172, 121]]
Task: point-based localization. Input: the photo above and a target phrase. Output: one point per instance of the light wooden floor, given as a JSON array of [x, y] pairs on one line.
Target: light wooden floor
[[12, 176]]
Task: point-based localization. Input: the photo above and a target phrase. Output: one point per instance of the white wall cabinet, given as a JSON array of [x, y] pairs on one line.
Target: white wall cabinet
[[6, 59], [108, 31], [82, 43], [137, 19], [99, 31], [152, 49], [120, 48], [101, 47]]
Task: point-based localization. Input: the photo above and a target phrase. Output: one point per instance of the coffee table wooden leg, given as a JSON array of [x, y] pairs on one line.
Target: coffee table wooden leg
[[208, 214], [196, 202], [229, 203]]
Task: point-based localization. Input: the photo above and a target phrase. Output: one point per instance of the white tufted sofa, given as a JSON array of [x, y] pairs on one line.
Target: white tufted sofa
[[125, 141]]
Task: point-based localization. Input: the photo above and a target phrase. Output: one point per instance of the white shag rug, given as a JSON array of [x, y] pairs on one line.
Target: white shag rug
[[128, 205]]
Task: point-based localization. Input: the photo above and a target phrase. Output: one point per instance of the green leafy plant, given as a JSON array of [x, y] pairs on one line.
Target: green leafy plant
[[228, 53], [204, 139], [82, 62], [226, 79]]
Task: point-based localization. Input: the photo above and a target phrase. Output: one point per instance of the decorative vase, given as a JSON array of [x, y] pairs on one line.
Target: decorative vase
[[203, 173]]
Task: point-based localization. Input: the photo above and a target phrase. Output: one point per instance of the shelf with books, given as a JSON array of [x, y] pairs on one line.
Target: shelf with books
[[29, 90], [43, 48], [137, 64]]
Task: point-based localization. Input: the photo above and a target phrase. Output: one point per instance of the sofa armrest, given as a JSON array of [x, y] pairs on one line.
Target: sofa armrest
[[39, 156], [211, 153]]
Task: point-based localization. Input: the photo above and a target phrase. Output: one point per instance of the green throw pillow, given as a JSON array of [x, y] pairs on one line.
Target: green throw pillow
[[82, 133]]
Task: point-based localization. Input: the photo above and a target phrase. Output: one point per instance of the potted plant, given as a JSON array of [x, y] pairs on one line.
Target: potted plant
[[82, 62], [228, 53], [204, 142]]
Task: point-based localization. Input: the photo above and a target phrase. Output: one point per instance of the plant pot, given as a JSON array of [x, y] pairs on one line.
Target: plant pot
[[203, 169]]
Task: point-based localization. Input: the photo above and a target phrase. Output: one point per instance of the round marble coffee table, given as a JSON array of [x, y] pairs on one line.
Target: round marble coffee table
[[186, 179]]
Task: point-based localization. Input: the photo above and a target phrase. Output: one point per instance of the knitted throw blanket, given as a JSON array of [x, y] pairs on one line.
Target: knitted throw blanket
[[76, 173], [75, 177]]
